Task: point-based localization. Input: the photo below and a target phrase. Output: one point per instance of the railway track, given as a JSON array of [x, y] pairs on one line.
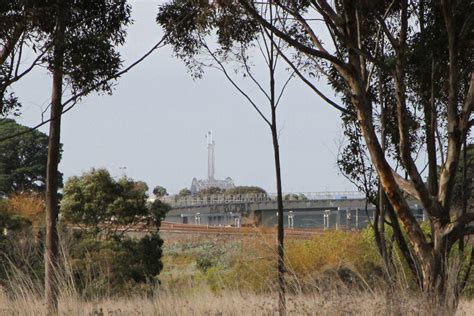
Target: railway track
[[168, 227], [189, 230]]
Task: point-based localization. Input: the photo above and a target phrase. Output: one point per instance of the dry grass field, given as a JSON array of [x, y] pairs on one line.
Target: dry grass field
[[233, 303], [335, 273]]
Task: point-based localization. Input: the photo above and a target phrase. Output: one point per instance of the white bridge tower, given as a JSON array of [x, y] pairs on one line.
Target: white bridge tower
[[210, 157]]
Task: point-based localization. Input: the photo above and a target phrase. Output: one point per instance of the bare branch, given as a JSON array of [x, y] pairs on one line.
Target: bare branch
[[290, 40], [249, 73], [312, 86], [387, 32], [35, 63], [72, 101], [236, 86], [284, 88]]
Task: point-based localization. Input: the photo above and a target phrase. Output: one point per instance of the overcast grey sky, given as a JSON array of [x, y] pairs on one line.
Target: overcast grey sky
[[154, 125]]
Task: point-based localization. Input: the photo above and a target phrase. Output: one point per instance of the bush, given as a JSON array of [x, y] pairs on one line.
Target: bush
[[100, 259], [250, 264], [20, 247], [115, 266], [334, 249]]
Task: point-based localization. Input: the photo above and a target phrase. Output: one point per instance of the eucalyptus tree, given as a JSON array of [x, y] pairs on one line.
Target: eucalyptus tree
[[241, 43], [20, 31], [76, 41], [23, 160], [371, 38], [83, 37]]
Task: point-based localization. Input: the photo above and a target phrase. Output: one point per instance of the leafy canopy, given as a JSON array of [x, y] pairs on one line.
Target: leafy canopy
[[99, 202], [93, 31], [160, 191], [23, 159]]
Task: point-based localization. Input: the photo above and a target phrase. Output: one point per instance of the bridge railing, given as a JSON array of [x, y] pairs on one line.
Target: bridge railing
[[326, 195], [175, 201], [215, 199]]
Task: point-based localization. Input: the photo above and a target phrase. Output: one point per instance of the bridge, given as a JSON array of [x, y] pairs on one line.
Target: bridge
[[341, 209]]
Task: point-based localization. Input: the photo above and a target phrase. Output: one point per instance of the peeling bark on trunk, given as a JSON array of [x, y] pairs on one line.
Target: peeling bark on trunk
[[389, 184], [426, 258]]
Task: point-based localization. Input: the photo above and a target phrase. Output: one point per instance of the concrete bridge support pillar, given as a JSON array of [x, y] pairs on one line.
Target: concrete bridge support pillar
[[237, 222], [326, 218], [348, 218], [291, 222], [357, 218]]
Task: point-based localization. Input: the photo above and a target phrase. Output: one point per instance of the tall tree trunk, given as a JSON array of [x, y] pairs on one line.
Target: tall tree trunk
[[52, 179], [276, 150], [435, 275], [280, 233], [430, 126], [382, 201], [465, 194]]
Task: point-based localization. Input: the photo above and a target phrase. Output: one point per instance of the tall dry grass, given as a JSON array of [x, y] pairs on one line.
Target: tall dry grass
[[206, 302], [327, 275]]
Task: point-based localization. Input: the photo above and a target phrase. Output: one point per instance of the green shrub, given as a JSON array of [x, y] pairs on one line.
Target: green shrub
[[115, 266]]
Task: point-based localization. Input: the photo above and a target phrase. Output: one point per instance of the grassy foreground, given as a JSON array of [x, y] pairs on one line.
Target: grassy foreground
[[335, 273], [233, 303]]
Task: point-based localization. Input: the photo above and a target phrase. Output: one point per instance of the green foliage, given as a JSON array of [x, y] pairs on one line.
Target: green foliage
[[204, 263], [95, 27], [232, 191], [22, 159], [187, 23], [115, 266], [159, 191], [245, 190], [334, 249], [184, 192], [458, 190], [16, 17], [295, 197], [210, 191], [99, 265], [249, 264], [105, 260], [95, 198], [157, 210], [92, 28]]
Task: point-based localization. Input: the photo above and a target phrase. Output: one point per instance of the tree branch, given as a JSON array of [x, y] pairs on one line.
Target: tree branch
[[402, 117], [290, 40], [448, 170], [11, 42], [406, 185], [312, 86], [236, 86], [72, 101]]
